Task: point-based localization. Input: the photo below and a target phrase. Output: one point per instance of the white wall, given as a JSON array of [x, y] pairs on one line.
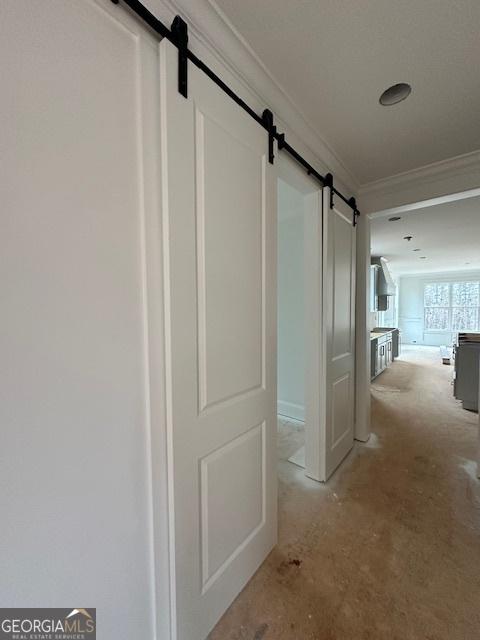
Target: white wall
[[78, 191], [291, 302], [81, 393], [411, 309]]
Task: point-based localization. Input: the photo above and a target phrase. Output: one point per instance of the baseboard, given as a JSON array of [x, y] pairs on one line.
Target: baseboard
[[290, 410]]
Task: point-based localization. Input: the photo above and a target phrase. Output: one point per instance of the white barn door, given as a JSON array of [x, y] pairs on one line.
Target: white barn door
[[219, 215], [339, 244]]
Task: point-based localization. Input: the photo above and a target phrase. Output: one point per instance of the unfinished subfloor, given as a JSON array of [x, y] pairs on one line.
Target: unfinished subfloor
[[389, 548]]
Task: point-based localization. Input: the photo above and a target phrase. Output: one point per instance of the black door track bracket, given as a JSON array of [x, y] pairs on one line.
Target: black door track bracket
[[267, 117], [180, 34]]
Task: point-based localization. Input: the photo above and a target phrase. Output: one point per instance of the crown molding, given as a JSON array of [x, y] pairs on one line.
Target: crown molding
[[213, 36], [446, 276], [453, 175]]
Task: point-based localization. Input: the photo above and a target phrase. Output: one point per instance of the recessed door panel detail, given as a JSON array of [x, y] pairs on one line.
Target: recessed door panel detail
[[229, 219], [341, 421], [232, 490]]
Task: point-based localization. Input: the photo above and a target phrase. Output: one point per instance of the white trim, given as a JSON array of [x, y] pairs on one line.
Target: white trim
[[456, 164], [150, 194], [425, 204], [362, 332], [444, 276], [291, 410], [164, 272], [439, 179], [215, 39]]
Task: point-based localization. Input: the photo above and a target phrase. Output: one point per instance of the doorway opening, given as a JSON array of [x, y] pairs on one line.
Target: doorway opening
[[299, 319], [291, 320], [430, 303]]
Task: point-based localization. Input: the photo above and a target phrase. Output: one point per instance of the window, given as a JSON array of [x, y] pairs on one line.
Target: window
[[452, 306], [437, 302], [465, 303]]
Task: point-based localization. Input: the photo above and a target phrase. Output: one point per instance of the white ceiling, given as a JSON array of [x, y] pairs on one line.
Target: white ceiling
[[447, 234], [334, 58]]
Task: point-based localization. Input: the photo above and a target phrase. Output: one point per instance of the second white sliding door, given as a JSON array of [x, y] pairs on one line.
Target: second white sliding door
[[339, 246]]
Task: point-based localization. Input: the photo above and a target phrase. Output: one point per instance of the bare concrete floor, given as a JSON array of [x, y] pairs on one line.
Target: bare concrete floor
[[389, 548]]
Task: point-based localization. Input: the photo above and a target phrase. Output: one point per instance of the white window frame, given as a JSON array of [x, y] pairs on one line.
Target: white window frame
[[450, 284]]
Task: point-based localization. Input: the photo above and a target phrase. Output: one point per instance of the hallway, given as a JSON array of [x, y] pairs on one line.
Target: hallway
[[390, 548]]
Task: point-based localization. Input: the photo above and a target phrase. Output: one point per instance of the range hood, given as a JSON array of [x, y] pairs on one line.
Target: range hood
[[385, 283]]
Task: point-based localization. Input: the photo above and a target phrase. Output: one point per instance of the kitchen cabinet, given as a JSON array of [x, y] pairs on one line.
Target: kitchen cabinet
[[388, 348], [382, 354], [384, 349], [465, 383], [379, 355]]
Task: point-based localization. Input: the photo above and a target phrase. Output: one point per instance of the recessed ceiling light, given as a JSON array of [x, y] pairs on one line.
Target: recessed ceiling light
[[415, 249], [423, 257], [394, 94], [407, 238], [394, 218]]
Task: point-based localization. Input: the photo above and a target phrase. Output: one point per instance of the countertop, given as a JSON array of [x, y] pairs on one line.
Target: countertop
[[378, 334]]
